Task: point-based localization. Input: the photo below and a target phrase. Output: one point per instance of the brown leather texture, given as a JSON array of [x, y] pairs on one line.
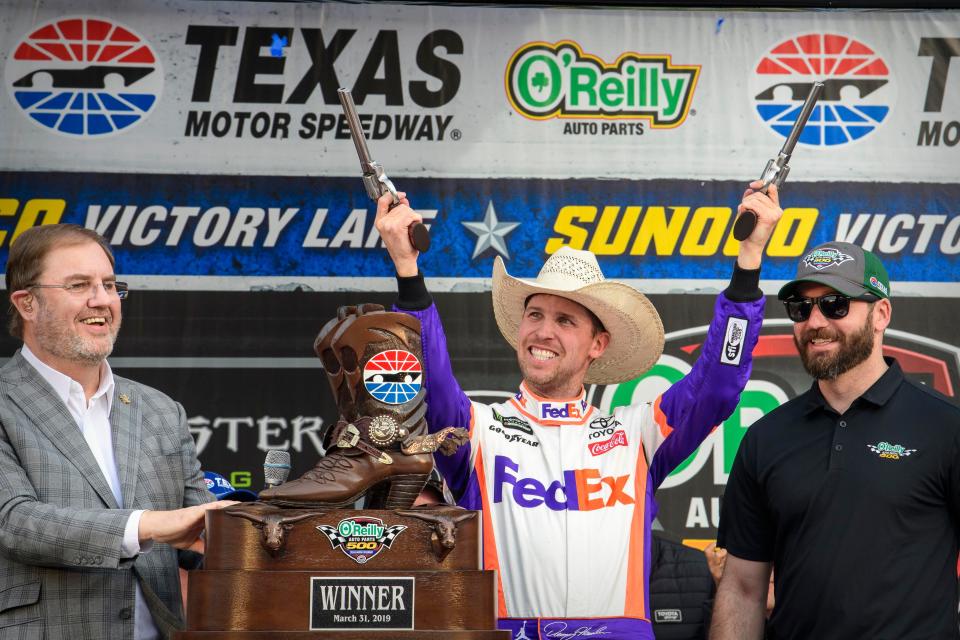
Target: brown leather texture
[[342, 635], [234, 543], [365, 456], [280, 600]]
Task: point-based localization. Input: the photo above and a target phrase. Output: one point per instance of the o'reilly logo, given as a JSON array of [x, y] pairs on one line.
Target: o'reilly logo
[[561, 81]]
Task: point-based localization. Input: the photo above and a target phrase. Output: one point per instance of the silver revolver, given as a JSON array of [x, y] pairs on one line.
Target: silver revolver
[[375, 181], [777, 168]]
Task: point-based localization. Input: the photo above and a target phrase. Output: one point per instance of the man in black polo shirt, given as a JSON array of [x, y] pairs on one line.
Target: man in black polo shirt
[[852, 490]]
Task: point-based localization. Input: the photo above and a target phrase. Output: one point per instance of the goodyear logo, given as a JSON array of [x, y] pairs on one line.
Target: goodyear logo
[[86, 77], [856, 93], [560, 81]]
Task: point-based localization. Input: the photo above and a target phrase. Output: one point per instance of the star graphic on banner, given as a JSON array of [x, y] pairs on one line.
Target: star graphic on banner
[[491, 233]]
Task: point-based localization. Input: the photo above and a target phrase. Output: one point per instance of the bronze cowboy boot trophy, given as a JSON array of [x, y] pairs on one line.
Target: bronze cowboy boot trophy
[[380, 443], [298, 565]]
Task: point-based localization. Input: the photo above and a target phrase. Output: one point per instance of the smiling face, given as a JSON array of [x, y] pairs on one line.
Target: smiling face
[[557, 343], [68, 329], [829, 348]]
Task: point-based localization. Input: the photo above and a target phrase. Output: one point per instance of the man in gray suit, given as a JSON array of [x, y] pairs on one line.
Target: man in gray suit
[[99, 478]]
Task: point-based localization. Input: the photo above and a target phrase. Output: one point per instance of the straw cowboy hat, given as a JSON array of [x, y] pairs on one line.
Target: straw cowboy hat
[[636, 332]]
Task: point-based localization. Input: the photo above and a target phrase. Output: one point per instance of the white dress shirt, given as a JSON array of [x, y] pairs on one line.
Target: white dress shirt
[[93, 419]]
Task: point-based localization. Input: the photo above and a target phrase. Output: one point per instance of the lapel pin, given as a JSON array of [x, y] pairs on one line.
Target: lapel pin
[[124, 398]]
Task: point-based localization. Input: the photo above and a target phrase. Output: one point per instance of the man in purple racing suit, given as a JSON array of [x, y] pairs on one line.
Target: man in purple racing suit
[[567, 491]]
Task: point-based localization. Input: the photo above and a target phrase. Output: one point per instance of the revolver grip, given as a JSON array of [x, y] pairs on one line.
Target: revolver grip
[[774, 173]]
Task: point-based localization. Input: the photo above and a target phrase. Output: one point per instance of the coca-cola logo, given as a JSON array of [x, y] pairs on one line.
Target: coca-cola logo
[[619, 439]]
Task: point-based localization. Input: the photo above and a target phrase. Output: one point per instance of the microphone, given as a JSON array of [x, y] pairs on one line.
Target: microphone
[[276, 468]]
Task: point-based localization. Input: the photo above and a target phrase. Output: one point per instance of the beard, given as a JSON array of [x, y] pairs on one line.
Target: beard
[[59, 340], [852, 350], [545, 383]]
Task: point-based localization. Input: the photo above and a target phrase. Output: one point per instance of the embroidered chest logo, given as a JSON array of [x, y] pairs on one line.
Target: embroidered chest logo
[[890, 451], [508, 424], [619, 439], [513, 423]]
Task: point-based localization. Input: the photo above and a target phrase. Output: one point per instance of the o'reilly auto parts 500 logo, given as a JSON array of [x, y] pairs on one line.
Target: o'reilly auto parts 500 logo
[[361, 538], [84, 76], [856, 95], [560, 81]]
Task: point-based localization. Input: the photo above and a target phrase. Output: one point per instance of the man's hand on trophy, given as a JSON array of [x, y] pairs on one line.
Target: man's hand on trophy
[[767, 207], [180, 528], [393, 225]]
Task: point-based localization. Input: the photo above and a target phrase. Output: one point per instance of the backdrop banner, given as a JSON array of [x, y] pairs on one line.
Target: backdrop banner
[[206, 142]]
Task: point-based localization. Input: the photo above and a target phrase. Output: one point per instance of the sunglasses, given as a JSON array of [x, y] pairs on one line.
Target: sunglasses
[[833, 306]]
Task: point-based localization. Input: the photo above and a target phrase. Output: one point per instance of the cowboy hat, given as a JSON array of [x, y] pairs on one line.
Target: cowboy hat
[[636, 332]]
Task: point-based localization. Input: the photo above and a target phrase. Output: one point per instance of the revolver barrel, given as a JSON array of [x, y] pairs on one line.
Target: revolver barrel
[[356, 132], [778, 168], [375, 180], [805, 112]]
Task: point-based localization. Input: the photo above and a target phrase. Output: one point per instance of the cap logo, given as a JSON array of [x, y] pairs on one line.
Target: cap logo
[[821, 259], [879, 286]]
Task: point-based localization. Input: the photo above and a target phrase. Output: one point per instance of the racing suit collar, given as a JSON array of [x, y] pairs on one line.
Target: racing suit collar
[[553, 411]]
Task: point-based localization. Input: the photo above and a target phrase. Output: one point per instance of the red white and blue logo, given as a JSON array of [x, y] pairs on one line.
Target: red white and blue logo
[[393, 376], [857, 91], [86, 77]]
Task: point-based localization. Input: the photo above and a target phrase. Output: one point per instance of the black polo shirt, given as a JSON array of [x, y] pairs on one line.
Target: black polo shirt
[[859, 513]]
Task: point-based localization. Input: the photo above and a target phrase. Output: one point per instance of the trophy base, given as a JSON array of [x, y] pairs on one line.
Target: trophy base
[[342, 574], [343, 635], [294, 601]]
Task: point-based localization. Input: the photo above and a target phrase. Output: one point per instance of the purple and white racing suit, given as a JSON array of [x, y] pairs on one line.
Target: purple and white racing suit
[[567, 492]]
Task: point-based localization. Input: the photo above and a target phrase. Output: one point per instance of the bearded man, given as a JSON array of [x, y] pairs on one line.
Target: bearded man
[[852, 489], [99, 478]]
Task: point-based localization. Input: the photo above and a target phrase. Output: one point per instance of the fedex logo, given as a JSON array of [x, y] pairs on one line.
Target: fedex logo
[[567, 410], [580, 489]]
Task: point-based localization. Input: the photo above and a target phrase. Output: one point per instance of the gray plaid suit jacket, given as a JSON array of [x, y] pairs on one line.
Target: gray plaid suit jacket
[[61, 574]]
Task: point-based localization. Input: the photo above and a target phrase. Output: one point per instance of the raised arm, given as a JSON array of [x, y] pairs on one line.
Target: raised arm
[[447, 404], [687, 412]]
